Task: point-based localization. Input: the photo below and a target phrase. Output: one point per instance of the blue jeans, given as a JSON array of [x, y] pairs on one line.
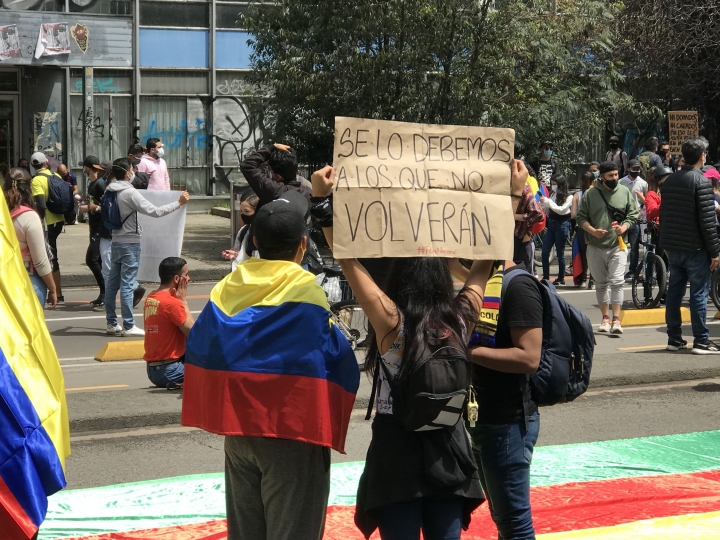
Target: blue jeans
[[634, 239], [684, 266], [439, 519], [39, 287], [556, 235], [124, 263], [503, 453], [167, 373]]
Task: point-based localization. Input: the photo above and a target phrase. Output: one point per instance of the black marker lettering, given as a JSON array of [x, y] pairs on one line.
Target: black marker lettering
[[392, 229], [415, 230], [487, 236], [431, 147], [384, 176], [353, 231], [358, 142], [475, 178], [431, 221], [342, 175], [415, 146], [412, 178], [349, 141], [457, 180], [431, 178], [445, 219], [476, 143], [367, 176], [506, 152], [464, 218], [483, 148], [377, 147], [459, 149], [446, 148], [385, 221], [400, 145]]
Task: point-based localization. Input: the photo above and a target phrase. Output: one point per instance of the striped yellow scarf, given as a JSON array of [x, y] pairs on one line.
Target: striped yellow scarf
[[486, 327]]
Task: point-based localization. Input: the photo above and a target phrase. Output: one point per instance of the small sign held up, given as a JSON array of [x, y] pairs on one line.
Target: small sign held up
[[681, 125], [408, 190]]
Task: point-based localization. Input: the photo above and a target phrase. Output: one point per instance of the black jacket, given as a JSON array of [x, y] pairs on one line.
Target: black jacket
[[267, 189], [687, 213]]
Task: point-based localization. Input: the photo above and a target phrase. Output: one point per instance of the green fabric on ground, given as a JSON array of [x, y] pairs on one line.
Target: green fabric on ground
[[198, 498]]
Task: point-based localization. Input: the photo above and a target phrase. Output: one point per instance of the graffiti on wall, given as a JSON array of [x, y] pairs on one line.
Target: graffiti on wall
[[193, 131], [100, 86], [93, 124], [46, 136]]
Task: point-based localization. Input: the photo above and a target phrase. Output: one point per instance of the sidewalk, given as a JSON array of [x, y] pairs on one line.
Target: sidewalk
[[205, 238]]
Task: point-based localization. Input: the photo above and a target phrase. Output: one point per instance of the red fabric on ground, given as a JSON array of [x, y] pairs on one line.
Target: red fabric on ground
[[208, 530]]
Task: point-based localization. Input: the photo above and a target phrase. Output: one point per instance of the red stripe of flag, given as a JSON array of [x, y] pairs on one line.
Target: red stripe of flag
[[14, 521]]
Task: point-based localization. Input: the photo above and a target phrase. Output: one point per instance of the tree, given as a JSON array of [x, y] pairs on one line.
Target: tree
[[466, 62]]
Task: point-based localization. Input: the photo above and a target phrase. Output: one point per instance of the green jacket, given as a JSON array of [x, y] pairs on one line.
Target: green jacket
[[594, 211]]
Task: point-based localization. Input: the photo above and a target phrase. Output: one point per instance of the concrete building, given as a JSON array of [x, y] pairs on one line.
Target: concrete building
[[84, 77]]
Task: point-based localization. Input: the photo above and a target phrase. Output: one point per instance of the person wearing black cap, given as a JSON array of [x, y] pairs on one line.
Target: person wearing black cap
[[544, 166], [605, 214], [617, 155], [142, 179], [638, 187]]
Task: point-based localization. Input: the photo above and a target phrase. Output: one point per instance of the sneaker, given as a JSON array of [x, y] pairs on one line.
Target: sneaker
[[138, 295], [591, 284], [676, 344], [60, 301], [100, 300], [133, 332], [629, 275], [604, 325], [616, 327], [705, 347], [174, 386], [114, 330], [559, 281], [99, 307]]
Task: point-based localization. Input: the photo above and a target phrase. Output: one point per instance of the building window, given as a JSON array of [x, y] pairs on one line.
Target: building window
[[183, 15], [105, 81], [228, 15], [174, 82], [36, 5], [106, 7], [8, 81]]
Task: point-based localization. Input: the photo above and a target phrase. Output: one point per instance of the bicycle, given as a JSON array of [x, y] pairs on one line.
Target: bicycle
[[649, 283], [346, 313]]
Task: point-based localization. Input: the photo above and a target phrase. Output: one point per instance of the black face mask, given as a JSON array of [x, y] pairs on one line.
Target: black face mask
[[247, 220], [662, 153], [614, 146], [612, 184], [633, 174]]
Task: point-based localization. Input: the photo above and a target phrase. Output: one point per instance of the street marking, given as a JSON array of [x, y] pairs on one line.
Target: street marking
[[96, 364], [650, 387], [96, 387], [65, 319], [78, 358], [642, 347], [578, 291], [134, 433]]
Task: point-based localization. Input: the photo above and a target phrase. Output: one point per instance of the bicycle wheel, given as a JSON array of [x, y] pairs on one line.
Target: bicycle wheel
[[715, 289], [649, 287], [351, 320]]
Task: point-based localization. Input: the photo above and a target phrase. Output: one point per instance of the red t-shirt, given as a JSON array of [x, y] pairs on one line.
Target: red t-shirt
[[163, 339]]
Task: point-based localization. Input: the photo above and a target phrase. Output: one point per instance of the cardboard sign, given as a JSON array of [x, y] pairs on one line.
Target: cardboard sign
[[161, 237], [408, 190], [681, 125]]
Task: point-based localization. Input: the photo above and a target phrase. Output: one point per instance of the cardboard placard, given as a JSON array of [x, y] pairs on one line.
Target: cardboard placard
[[408, 190], [681, 125], [161, 237]]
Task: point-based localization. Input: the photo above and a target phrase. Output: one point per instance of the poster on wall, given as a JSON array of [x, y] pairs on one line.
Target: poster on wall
[[81, 33], [46, 136], [53, 39], [9, 41]]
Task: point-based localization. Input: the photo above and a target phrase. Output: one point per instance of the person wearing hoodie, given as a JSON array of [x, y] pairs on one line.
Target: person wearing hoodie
[[154, 166], [125, 254]]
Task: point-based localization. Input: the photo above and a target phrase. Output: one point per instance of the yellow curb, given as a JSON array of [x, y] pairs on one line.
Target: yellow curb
[[642, 317], [117, 351]]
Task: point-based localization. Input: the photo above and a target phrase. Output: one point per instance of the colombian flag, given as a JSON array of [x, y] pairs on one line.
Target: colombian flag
[[264, 360], [577, 266], [34, 428]]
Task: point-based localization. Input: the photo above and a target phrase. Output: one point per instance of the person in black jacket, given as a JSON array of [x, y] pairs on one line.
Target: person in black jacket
[[689, 236]]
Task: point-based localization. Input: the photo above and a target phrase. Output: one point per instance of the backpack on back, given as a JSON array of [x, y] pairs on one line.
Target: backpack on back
[[644, 160], [567, 348], [110, 211], [141, 180], [60, 194]]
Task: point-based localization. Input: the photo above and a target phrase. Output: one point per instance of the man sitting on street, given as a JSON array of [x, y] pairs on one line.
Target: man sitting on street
[[167, 323]]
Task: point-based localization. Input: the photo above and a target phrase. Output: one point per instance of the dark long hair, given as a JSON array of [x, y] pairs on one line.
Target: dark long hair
[[17, 189], [422, 289], [586, 181], [562, 190]]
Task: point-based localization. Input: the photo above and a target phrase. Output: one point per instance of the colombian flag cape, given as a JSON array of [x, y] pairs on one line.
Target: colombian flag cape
[[34, 428], [264, 360]]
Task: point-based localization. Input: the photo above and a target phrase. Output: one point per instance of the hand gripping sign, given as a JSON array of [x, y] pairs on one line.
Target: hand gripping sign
[[408, 190]]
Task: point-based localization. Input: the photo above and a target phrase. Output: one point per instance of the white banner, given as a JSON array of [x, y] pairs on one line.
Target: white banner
[[161, 237]]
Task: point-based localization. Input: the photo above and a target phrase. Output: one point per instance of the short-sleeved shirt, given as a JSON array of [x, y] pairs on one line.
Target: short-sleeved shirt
[[70, 179], [504, 398], [635, 186], [163, 339], [39, 186]]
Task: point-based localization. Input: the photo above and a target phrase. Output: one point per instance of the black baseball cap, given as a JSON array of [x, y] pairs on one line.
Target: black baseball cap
[[91, 162], [634, 163], [280, 224], [546, 143], [607, 166]]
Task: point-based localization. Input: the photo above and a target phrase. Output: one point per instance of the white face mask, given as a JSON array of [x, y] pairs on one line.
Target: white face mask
[[554, 188], [161, 152], [132, 177]]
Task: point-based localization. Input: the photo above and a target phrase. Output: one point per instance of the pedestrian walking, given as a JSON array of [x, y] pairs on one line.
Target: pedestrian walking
[[53, 222], [168, 322], [153, 164], [266, 368], [649, 157], [413, 479], [544, 165], [558, 208], [30, 234], [638, 187], [689, 234], [617, 155], [606, 213], [125, 250], [587, 182]]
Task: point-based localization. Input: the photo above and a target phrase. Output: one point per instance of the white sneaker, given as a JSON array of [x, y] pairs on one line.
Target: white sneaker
[[604, 325], [134, 331], [616, 327], [114, 330]]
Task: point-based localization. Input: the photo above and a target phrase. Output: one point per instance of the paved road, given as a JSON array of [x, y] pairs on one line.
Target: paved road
[[152, 453]]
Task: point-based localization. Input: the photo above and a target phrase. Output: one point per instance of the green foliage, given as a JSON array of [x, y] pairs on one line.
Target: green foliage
[[547, 75]]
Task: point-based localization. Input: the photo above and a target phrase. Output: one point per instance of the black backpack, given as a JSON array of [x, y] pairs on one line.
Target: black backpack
[[567, 348], [434, 394], [60, 194], [141, 180]]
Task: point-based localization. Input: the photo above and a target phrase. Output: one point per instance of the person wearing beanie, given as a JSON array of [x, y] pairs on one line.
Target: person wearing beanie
[[605, 214]]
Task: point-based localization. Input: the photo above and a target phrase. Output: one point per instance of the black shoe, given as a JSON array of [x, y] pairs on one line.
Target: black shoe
[[676, 344], [705, 347], [559, 282], [591, 284], [138, 295], [99, 301], [60, 301]]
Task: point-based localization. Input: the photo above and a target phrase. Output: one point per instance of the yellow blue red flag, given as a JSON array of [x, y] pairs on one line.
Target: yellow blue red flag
[[34, 428], [264, 360]]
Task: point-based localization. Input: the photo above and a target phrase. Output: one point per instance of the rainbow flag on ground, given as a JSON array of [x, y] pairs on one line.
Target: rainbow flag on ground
[[263, 359], [659, 488], [34, 428]]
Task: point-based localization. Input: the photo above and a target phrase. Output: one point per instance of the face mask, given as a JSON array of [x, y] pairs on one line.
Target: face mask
[[596, 174], [247, 220], [101, 181], [633, 174], [132, 177], [553, 188], [547, 153], [662, 153], [161, 152], [612, 184], [614, 146]]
